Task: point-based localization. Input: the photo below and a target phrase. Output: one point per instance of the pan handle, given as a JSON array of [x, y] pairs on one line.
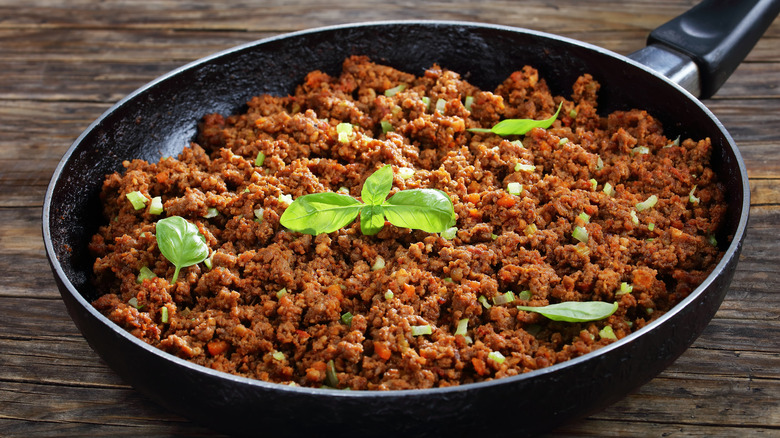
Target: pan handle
[[702, 47]]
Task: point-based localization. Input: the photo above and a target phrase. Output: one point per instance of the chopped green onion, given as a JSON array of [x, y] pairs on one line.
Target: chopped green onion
[[419, 330], [640, 150], [524, 295], [405, 172], [331, 379], [514, 188], [285, 199], [344, 130], [448, 279], [346, 318], [278, 355], [524, 167], [211, 212], [563, 141], [441, 105], [649, 310], [625, 288], [259, 214], [389, 295], [676, 142], [484, 302], [467, 102], [379, 263], [282, 292], [144, 273], [386, 126], [585, 217], [504, 298], [608, 190], [599, 164], [650, 226], [582, 248], [449, 233], [573, 113], [156, 207], [712, 240], [648, 203], [390, 92], [496, 357], [593, 184], [517, 143], [607, 333], [530, 230], [580, 233], [691, 198], [134, 302], [427, 101], [343, 190], [493, 236], [634, 219], [260, 159], [137, 199], [164, 315], [463, 326], [208, 260]]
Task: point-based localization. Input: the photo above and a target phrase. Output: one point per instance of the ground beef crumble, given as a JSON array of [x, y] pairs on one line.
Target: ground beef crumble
[[271, 305]]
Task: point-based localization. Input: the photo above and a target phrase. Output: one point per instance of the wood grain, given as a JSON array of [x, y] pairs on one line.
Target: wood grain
[[65, 63]]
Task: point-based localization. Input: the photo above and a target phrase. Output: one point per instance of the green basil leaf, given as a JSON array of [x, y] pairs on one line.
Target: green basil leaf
[[429, 210], [575, 311], [372, 219], [181, 243], [519, 126], [319, 213], [377, 186]]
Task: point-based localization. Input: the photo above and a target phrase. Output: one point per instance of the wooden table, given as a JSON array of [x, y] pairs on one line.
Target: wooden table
[[64, 63]]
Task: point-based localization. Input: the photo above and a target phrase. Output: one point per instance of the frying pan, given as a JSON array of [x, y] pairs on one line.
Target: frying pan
[[698, 50]]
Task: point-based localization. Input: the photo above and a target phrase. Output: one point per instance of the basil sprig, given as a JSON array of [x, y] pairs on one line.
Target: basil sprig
[[519, 126], [574, 311], [181, 243], [429, 210]]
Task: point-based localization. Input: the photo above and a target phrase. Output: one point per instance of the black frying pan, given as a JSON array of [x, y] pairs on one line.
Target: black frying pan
[[160, 119]]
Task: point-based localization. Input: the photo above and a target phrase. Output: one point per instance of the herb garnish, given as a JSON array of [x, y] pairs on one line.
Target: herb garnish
[[181, 243], [519, 126], [574, 311], [429, 210]]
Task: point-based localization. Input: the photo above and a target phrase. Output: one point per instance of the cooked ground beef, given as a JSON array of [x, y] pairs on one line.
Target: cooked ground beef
[[272, 303]]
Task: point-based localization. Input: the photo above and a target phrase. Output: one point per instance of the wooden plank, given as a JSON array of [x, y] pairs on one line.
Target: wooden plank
[[764, 191], [121, 61], [288, 15], [31, 409]]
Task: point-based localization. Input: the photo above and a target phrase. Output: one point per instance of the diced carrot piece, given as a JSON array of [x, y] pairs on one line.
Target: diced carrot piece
[[335, 291], [506, 200], [408, 290], [479, 366], [472, 197], [217, 347], [382, 350]]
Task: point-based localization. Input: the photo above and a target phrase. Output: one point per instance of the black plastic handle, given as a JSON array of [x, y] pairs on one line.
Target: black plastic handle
[[717, 35]]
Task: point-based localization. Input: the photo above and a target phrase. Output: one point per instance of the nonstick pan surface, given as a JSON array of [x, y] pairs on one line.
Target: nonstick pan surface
[[161, 118]]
